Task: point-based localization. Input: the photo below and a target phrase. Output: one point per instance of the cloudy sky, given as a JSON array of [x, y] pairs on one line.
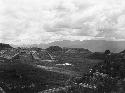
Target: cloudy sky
[[44, 21]]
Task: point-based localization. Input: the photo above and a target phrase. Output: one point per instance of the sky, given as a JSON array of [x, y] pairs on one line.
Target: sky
[[45, 21]]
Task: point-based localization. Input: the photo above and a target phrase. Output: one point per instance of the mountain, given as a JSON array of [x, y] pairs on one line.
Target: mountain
[[92, 45]]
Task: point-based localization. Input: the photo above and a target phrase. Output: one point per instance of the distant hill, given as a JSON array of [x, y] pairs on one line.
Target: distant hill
[[92, 45], [4, 46], [76, 50], [122, 51]]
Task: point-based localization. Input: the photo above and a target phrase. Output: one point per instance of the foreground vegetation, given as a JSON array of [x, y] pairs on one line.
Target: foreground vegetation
[[24, 78]]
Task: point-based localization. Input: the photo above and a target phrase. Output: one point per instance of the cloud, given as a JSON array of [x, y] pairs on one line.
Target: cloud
[[43, 21]]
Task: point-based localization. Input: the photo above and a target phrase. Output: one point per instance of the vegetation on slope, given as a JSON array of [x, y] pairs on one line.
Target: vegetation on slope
[[24, 78]]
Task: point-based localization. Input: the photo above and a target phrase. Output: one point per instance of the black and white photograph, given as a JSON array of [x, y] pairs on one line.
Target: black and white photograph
[[62, 46]]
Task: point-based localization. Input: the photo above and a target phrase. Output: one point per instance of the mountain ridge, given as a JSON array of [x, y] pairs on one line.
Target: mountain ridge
[[92, 45]]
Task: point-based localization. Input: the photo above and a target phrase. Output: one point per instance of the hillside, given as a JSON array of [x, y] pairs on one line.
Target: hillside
[[17, 77], [76, 70], [4, 46]]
